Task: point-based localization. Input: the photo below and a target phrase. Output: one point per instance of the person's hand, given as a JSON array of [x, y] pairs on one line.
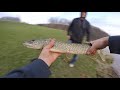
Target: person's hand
[[47, 56], [97, 44], [68, 37]]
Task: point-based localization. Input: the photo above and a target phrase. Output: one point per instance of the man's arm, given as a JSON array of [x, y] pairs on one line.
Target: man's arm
[[88, 31], [113, 42], [70, 28], [37, 69]]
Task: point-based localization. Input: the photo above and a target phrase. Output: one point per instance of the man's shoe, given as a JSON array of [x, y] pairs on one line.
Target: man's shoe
[[71, 65]]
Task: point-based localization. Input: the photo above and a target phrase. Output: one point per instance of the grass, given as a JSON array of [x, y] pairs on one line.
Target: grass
[[14, 55]]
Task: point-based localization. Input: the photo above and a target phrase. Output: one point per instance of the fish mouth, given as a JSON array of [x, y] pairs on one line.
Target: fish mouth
[[24, 44], [27, 45]]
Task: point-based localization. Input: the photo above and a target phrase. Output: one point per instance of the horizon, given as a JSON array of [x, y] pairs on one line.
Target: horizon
[[106, 21]]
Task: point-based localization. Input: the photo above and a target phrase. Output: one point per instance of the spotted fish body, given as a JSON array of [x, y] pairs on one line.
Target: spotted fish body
[[59, 46]]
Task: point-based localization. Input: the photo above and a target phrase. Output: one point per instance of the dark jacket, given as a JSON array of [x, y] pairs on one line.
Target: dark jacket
[[39, 69], [78, 29], [114, 44]]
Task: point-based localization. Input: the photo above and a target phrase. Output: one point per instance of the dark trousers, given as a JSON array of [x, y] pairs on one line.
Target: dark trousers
[[75, 56]]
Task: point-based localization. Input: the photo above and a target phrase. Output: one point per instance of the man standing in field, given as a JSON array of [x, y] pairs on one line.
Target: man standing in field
[[77, 32]]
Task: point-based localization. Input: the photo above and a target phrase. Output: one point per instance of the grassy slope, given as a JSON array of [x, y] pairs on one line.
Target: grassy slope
[[14, 55]]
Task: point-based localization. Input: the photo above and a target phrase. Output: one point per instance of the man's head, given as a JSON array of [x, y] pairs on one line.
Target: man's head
[[83, 14]]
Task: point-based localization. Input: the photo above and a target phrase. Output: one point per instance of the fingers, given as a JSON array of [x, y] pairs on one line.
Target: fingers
[[51, 44], [92, 42], [58, 54], [91, 51]]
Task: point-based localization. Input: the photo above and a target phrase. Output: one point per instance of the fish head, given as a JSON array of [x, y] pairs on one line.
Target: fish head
[[35, 44]]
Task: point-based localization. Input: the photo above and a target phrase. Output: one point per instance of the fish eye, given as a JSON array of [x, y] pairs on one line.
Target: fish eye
[[32, 40]]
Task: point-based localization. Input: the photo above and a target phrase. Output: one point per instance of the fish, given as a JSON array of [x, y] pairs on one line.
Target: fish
[[59, 46]]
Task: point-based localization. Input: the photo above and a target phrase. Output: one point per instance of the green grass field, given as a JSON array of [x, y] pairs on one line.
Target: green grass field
[[14, 55]]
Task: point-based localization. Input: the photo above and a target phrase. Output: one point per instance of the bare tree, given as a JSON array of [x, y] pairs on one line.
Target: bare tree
[[57, 20], [54, 20], [64, 21]]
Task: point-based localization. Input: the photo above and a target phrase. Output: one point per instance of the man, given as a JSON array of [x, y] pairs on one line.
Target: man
[[77, 32]]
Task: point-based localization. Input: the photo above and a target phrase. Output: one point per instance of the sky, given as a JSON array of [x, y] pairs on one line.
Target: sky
[[107, 21]]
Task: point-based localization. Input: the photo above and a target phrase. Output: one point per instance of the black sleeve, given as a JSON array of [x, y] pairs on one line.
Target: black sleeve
[[37, 69], [114, 44], [70, 28], [88, 31]]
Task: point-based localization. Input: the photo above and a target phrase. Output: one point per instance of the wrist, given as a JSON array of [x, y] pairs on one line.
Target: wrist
[[45, 60], [106, 39]]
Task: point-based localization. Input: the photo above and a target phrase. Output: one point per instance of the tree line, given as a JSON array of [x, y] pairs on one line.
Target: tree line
[[57, 20], [8, 18]]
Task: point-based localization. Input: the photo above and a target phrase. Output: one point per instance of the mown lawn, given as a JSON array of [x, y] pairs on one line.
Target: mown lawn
[[14, 55]]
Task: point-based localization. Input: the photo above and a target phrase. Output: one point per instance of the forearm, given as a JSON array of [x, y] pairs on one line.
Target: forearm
[[37, 69], [88, 37], [88, 31], [70, 28], [69, 31]]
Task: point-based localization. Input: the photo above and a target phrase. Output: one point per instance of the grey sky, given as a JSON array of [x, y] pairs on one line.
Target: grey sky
[[108, 21]]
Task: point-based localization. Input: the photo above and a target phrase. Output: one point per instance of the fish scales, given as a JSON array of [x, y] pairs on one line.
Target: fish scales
[[59, 46]]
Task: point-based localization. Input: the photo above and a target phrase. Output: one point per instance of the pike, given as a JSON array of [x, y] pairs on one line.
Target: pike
[[59, 46], [64, 47]]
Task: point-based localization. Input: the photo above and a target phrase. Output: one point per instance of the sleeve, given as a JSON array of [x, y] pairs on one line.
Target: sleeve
[[36, 69], [114, 44], [88, 31], [70, 28]]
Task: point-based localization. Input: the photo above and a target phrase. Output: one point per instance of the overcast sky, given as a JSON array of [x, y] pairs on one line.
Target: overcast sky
[[107, 21]]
